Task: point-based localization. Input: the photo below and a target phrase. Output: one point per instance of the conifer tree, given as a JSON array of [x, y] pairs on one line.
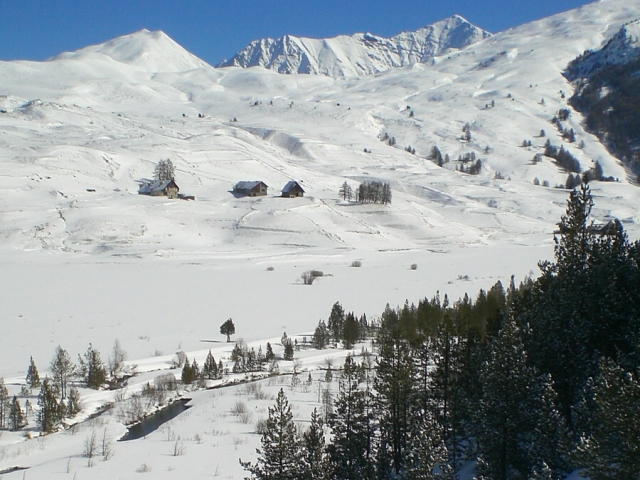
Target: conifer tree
[[428, 457], [5, 404], [50, 412], [269, 356], [187, 375], [610, 450], [336, 322], [519, 427], [348, 455], [280, 457], [394, 384], [92, 369], [16, 415], [320, 336], [228, 329], [210, 367], [62, 369], [350, 331], [288, 349], [33, 377], [74, 403], [314, 462]]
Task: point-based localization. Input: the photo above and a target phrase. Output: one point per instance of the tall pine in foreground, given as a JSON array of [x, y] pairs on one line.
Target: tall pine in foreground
[[350, 454], [279, 457], [518, 426], [611, 450], [313, 461]]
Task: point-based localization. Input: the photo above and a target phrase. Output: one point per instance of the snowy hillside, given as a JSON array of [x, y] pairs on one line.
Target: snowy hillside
[[85, 258], [359, 54]]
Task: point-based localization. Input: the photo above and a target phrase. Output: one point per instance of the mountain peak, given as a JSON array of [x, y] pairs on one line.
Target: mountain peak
[[152, 51], [358, 54]]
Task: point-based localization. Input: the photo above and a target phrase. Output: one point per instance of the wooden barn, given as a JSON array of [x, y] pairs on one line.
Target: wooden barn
[[167, 188], [292, 189], [254, 188]]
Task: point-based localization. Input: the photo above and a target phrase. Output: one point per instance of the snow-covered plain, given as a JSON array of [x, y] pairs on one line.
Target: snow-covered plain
[[85, 259]]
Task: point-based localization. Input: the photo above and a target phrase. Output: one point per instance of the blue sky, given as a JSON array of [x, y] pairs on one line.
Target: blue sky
[[217, 29]]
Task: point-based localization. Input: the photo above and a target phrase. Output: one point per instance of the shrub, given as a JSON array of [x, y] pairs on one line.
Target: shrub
[[356, 263], [270, 269], [239, 408], [414, 266]]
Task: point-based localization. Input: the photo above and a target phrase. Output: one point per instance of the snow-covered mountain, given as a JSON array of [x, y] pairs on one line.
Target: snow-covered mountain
[[622, 48], [359, 54]]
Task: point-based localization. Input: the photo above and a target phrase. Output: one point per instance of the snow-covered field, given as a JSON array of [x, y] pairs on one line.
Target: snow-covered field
[[85, 259]]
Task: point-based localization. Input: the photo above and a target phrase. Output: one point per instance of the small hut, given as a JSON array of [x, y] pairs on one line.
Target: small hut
[[254, 188], [167, 188], [292, 189]]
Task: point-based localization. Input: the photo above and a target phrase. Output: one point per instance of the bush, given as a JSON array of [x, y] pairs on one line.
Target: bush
[[356, 263], [270, 269], [310, 275], [239, 408], [414, 266]]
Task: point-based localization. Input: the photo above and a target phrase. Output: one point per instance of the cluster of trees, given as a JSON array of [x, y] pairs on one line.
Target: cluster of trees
[[530, 383], [248, 360], [341, 327], [615, 117], [374, 192], [391, 141], [164, 170], [436, 156], [563, 158], [56, 399]]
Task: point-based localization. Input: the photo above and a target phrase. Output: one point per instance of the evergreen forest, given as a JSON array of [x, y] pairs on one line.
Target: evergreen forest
[[532, 381]]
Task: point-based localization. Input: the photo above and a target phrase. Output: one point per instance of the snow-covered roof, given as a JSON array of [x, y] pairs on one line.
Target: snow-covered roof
[[155, 186], [289, 186], [249, 185]]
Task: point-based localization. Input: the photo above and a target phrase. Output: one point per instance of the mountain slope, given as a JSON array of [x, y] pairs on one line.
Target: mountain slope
[[359, 54]]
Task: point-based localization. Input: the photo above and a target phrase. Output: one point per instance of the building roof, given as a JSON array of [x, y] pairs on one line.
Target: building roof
[[290, 185], [156, 186], [249, 185]]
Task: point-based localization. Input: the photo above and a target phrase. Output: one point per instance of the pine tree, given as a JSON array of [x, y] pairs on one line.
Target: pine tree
[[269, 356], [74, 403], [16, 415], [50, 412], [280, 457], [610, 451], [288, 349], [187, 375], [228, 329], [210, 367], [428, 457], [350, 331], [336, 322], [33, 377], [92, 369], [62, 369], [519, 427], [314, 462], [349, 457], [394, 384], [5, 404], [320, 336]]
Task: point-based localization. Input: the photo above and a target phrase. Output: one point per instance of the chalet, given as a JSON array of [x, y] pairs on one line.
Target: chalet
[[167, 188], [254, 188], [292, 189]]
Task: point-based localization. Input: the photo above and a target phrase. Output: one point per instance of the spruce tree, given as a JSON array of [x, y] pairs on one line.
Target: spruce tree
[[5, 405], [519, 427], [269, 356], [74, 403], [92, 369], [348, 455], [610, 450], [33, 377], [336, 322], [288, 349], [210, 367], [428, 457], [394, 384], [50, 412], [313, 461], [62, 369], [280, 457], [17, 418]]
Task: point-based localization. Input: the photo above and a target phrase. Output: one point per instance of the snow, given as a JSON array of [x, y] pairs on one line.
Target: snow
[[85, 259]]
